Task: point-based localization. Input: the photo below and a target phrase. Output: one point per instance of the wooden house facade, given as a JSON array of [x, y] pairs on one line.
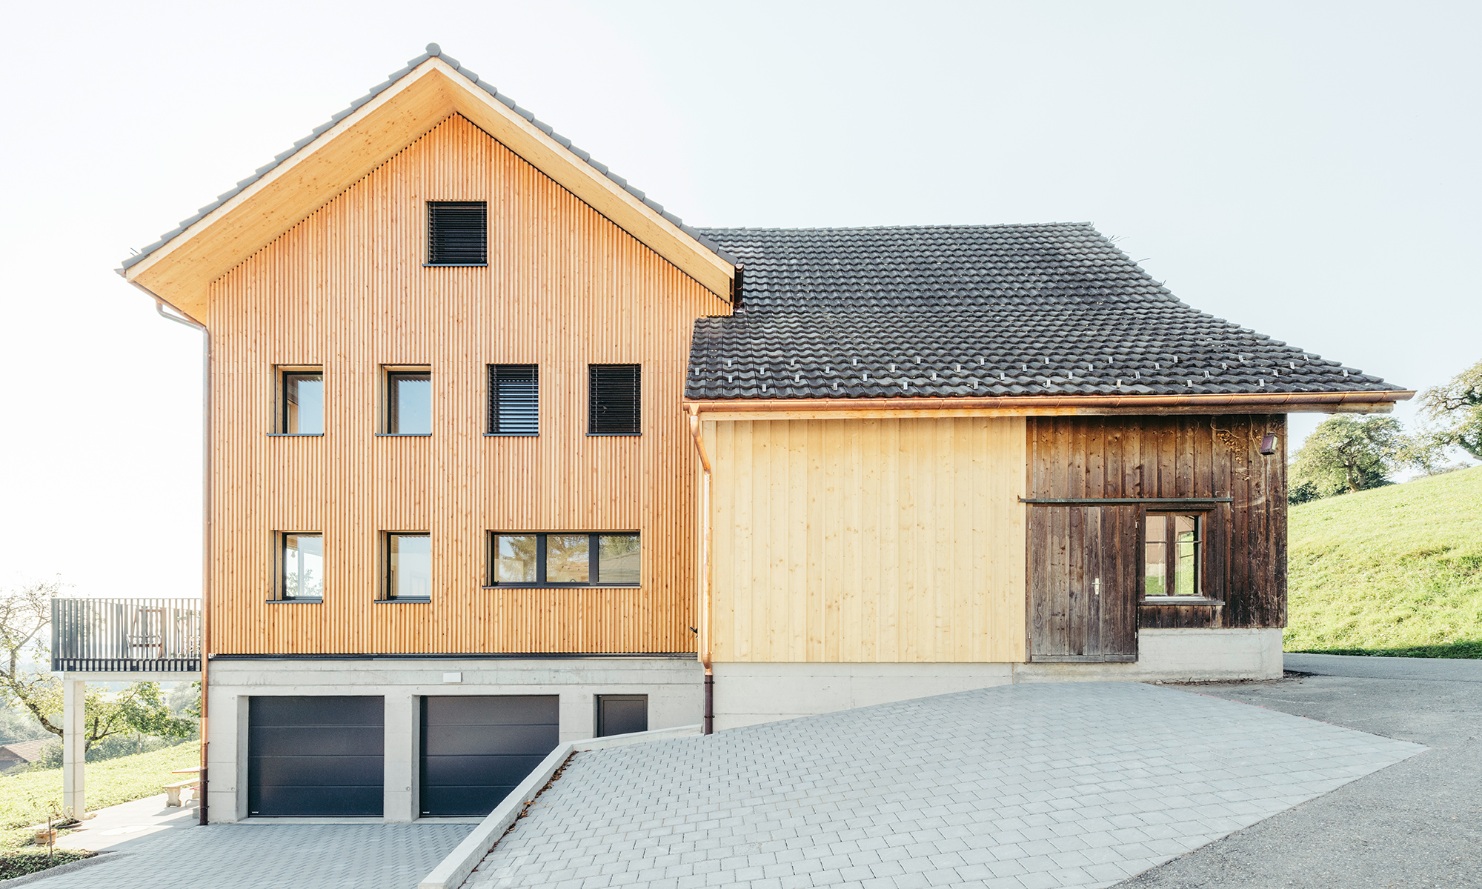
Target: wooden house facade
[[500, 454]]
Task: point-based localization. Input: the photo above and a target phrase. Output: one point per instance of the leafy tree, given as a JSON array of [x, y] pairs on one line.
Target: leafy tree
[[1346, 454], [26, 681], [1457, 407]]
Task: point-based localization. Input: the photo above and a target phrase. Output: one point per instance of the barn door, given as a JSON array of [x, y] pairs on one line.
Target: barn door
[[1083, 583]]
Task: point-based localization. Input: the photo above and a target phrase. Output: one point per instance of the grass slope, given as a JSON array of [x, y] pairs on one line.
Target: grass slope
[[24, 797], [1392, 571]]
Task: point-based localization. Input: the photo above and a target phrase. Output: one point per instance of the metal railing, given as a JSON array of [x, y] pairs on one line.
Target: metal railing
[[119, 635]]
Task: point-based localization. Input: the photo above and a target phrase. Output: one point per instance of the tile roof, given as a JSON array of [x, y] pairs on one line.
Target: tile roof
[[30, 751], [975, 311], [433, 51]]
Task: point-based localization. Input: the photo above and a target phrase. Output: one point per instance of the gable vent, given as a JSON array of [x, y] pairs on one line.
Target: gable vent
[[457, 233], [514, 399], [613, 398]]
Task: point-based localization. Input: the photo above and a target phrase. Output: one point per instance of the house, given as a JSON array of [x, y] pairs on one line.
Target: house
[[501, 454], [20, 754]]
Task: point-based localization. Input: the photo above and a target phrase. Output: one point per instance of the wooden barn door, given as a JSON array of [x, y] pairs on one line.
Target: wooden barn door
[[1083, 583]]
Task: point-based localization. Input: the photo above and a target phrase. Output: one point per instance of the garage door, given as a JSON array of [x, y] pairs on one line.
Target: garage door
[[476, 748], [316, 755]]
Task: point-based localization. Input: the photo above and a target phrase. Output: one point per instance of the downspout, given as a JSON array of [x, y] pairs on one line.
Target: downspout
[[159, 305], [704, 615]]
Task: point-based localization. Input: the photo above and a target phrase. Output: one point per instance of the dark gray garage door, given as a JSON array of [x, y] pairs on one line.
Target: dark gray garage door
[[316, 755], [476, 748]]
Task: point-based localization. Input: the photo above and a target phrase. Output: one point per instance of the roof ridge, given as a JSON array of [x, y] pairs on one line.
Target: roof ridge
[[949, 226]]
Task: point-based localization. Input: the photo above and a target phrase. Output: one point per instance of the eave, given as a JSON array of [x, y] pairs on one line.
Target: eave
[[1088, 405], [182, 268]]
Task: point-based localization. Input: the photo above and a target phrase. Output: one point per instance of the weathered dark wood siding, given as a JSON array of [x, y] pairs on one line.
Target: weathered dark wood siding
[[1187, 457]]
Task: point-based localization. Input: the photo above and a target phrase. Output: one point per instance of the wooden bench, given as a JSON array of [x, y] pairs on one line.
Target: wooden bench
[[172, 791]]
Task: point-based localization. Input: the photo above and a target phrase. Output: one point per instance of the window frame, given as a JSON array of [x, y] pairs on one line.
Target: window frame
[[280, 415], [491, 422], [592, 370], [1201, 557], [429, 262], [594, 561], [387, 594], [389, 375], [280, 566]]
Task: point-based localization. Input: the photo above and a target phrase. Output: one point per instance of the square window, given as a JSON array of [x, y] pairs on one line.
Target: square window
[[301, 561], [302, 398], [408, 566], [409, 402], [614, 399], [618, 559], [457, 233], [514, 399], [567, 557], [1172, 553], [516, 558]]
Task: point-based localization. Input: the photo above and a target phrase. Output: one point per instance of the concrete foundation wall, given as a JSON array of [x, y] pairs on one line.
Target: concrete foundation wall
[[747, 693], [673, 685]]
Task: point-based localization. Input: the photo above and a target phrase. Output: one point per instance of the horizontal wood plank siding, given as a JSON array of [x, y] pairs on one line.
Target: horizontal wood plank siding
[[347, 289], [1182, 457], [868, 540]]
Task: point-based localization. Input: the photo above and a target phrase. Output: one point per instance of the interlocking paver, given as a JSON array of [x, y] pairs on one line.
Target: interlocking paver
[[1054, 785]]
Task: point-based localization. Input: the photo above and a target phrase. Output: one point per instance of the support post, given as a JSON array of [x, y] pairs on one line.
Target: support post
[[74, 746]]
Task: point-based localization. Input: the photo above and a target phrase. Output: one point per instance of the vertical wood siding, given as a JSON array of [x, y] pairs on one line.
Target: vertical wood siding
[[1245, 540], [347, 289], [868, 540]]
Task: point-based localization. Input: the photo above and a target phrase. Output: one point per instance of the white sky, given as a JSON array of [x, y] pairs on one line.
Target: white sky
[[1309, 170]]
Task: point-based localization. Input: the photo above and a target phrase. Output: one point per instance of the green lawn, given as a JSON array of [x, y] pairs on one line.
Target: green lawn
[[1393, 571], [24, 797]]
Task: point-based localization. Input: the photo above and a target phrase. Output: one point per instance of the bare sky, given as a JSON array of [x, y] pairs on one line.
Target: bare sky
[[1306, 169]]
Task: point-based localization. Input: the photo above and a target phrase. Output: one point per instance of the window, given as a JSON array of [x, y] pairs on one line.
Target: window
[[613, 399], [457, 233], [408, 566], [301, 566], [564, 559], [1172, 551], [409, 402], [514, 399], [302, 400]]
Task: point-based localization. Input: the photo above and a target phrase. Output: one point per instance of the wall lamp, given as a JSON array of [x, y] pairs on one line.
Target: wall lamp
[[1268, 444]]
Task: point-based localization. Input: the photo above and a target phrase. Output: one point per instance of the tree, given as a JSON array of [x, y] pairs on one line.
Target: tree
[[1346, 454], [1457, 407], [25, 680]]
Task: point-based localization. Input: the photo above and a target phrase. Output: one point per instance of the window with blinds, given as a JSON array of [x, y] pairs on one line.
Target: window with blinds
[[514, 399], [613, 398], [457, 233]]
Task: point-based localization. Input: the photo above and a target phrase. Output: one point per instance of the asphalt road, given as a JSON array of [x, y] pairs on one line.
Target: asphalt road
[[1417, 823]]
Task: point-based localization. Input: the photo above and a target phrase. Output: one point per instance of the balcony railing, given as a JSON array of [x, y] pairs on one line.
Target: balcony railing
[[126, 635]]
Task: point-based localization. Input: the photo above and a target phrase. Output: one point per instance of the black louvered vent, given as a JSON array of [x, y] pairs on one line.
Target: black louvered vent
[[457, 233], [613, 399], [514, 399]]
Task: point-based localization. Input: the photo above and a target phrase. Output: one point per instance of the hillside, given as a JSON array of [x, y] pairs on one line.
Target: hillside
[[1393, 571]]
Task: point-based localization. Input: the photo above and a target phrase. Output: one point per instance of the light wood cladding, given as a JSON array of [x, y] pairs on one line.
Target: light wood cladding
[[868, 540], [346, 289]]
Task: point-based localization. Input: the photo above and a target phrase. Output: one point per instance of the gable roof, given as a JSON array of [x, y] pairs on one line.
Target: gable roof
[[316, 169], [986, 312], [29, 751]]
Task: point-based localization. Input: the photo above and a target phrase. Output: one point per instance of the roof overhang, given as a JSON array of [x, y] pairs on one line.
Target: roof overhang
[[1070, 405], [181, 270]]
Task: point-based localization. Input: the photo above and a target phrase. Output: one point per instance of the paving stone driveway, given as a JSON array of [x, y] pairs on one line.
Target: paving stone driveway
[[281, 856], [1017, 787]]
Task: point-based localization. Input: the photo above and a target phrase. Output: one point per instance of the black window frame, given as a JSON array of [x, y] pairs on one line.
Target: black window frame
[[280, 559], [594, 560], [434, 241], [387, 594], [515, 375], [1169, 542], [299, 370], [390, 375], [597, 414]]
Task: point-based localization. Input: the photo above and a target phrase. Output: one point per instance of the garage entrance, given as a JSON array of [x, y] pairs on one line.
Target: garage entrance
[[477, 748], [316, 756]]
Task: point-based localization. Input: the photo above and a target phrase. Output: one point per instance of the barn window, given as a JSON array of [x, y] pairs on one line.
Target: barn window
[[564, 559], [514, 399], [613, 399], [457, 233], [1172, 554]]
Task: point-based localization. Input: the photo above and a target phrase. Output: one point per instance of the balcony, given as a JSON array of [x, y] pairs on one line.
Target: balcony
[[126, 636]]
